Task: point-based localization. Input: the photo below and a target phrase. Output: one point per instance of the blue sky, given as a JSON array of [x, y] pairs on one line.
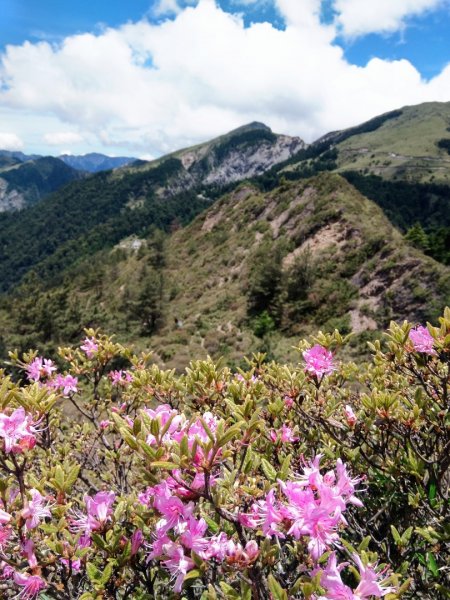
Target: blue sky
[[50, 102]]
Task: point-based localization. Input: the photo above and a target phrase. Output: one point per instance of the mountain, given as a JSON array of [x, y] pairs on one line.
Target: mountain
[[97, 212], [95, 162], [19, 156], [25, 183], [252, 272], [410, 144]]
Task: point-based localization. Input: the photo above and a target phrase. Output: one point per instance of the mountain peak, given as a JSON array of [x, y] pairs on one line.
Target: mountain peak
[[253, 126]]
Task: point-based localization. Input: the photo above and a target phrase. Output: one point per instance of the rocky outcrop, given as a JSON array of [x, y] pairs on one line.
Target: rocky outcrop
[[10, 199]]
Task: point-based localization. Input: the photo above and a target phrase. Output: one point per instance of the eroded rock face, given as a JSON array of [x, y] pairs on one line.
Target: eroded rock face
[[10, 199], [253, 160]]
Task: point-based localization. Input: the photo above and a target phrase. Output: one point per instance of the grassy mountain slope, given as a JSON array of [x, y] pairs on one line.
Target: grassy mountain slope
[[252, 272], [406, 147], [410, 144]]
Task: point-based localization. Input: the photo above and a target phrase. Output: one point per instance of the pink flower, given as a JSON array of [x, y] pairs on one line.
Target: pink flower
[[67, 383], [422, 340], [99, 507], [4, 517], [369, 585], [90, 346], [17, 431], [72, 563], [265, 514], [28, 553], [35, 510], [120, 377], [105, 424], [34, 369], [350, 415], [285, 435], [137, 540], [193, 538], [32, 585], [288, 401], [5, 535], [319, 361], [242, 556], [178, 564], [40, 368], [99, 510]]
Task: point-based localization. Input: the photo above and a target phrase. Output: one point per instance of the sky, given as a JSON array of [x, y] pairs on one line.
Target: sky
[[143, 78]]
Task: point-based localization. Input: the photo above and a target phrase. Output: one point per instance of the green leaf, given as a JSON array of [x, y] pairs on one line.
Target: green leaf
[[163, 464], [276, 590], [268, 470], [93, 573], [228, 436], [432, 564]]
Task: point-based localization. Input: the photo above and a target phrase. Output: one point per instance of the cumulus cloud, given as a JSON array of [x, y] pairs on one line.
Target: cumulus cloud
[[358, 17], [150, 88], [10, 141], [59, 138]]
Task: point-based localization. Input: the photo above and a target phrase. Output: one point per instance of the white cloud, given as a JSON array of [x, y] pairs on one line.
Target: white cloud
[[358, 17], [10, 141], [170, 7], [166, 7], [151, 88], [59, 138]]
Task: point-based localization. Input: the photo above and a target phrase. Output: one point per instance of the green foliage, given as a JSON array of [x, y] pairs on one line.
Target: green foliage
[[417, 237], [96, 216]]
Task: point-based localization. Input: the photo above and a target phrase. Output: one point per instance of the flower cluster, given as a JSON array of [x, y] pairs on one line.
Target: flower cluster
[[18, 431], [319, 361], [313, 506], [44, 370], [422, 340]]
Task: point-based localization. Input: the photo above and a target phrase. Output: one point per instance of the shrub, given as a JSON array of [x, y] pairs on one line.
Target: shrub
[[137, 483]]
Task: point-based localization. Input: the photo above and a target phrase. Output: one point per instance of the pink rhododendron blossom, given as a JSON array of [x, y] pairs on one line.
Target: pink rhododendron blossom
[[35, 510], [368, 587], [105, 424], [422, 340], [40, 367], [32, 585], [137, 539], [319, 361], [285, 435], [89, 347], [370, 584], [67, 383], [313, 507], [178, 565], [350, 415], [5, 535], [99, 511], [17, 431], [288, 401], [4, 517], [73, 564], [265, 514], [193, 537], [120, 377], [27, 548]]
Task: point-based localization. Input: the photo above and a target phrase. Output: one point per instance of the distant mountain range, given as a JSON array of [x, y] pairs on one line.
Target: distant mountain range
[[95, 162], [26, 179], [239, 244]]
